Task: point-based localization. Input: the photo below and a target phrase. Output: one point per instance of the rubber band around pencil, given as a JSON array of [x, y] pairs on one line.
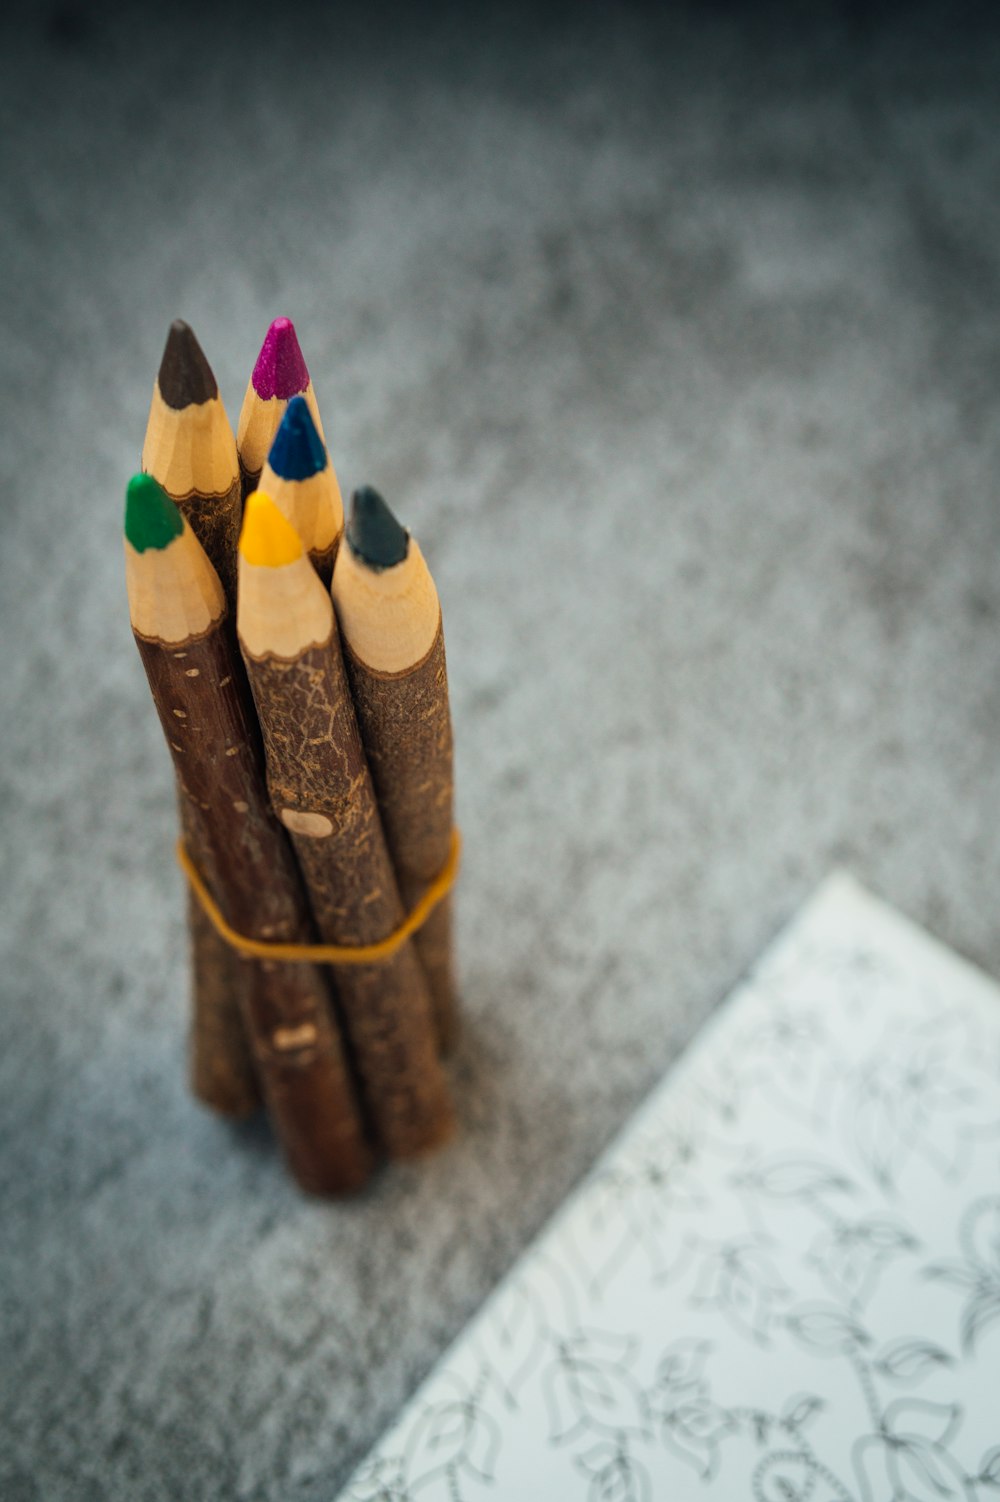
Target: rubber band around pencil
[[325, 954]]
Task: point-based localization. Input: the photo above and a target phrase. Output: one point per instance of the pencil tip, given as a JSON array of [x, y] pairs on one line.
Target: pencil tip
[[151, 518], [280, 369], [268, 538], [185, 375], [297, 452], [373, 532]]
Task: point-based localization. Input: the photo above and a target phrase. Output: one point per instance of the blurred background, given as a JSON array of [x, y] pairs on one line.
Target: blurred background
[[673, 335]]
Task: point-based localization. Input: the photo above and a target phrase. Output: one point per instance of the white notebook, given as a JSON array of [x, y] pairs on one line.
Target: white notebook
[[780, 1283]]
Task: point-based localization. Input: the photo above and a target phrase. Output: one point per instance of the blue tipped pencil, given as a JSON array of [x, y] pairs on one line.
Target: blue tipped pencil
[[300, 479]]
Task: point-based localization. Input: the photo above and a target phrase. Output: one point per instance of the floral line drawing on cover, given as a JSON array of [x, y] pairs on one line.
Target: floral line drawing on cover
[[783, 1242]]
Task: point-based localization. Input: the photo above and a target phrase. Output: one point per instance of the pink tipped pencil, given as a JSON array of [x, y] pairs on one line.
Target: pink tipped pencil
[[279, 374]]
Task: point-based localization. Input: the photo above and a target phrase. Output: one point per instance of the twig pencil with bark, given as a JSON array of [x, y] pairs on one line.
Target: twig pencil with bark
[[178, 611], [322, 791]]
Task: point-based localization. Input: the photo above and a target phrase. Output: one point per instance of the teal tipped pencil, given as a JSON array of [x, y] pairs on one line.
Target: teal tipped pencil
[[393, 641]]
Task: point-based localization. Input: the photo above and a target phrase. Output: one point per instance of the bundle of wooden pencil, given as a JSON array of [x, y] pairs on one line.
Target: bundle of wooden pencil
[[311, 740]]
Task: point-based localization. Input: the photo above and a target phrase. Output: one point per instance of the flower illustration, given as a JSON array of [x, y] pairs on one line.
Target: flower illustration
[[909, 1460], [454, 1436], [590, 1386], [741, 1280], [978, 1274], [615, 1475]]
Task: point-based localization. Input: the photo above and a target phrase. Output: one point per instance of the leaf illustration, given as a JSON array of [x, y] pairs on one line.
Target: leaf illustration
[[923, 1472], [742, 1281], [981, 1234], [560, 1405], [437, 1440], [878, 1133], [989, 1469], [827, 1329], [380, 1480], [681, 1365], [591, 1385], [795, 1178], [615, 1475], [598, 1457], [694, 1431], [603, 1345], [870, 1458], [852, 1255], [453, 1431], [909, 1460], [800, 1409], [959, 1274], [510, 1340], [786, 1476], [917, 1418], [907, 1359], [483, 1445], [552, 1294], [980, 1314]]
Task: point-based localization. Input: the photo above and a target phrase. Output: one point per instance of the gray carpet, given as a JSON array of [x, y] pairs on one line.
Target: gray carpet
[[675, 340]]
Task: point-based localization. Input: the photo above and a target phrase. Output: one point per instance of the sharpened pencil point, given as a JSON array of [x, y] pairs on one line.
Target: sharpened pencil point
[[373, 532], [268, 539], [151, 518], [280, 369], [185, 377], [297, 452]]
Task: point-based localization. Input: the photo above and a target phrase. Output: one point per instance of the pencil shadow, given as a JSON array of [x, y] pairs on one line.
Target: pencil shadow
[[519, 1121]]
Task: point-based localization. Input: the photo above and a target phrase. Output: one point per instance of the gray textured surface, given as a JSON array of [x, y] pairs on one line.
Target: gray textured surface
[[676, 344]]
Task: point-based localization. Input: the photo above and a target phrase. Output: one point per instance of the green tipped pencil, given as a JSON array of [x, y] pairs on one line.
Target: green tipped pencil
[[178, 613]]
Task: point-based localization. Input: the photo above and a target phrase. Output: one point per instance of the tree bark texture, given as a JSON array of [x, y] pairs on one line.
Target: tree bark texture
[[220, 1061], [215, 521], [321, 788], [247, 865], [405, 726]]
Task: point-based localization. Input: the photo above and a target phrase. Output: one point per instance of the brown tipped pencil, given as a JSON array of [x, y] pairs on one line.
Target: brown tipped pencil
[[190, 450], [178, 609], [393, 641], [279, 374], [322, 791]]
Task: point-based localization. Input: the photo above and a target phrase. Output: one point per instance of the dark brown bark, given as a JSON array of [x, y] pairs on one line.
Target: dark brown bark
[[215, 521], [220, 1061], [249, 868], [316, 768], [249, 480], [323, 559], [220, 1065], [405, 726]]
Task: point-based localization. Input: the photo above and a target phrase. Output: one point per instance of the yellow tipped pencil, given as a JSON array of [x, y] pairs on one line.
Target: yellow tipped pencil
[[321, 790]]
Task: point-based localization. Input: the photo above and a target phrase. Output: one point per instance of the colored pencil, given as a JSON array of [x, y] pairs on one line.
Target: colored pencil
[[322, 792], [301, 481], [393, 644], [279, 374], [190, 450], [178, 609]]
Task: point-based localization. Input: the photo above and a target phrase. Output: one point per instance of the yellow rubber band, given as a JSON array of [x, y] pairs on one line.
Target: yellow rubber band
[[325, 954]]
